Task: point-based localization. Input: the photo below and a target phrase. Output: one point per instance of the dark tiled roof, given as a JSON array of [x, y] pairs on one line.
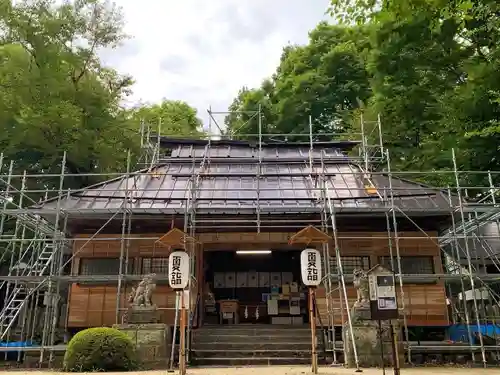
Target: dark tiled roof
[[168, 142], [228, 183]]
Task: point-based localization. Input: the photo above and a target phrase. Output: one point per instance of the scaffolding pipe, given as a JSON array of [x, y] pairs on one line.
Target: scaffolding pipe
[[341, 274], [126, 200], [58, 249], [469, 262], [28, 223], [327, 267], [398, 253], [259, 170], [462, 284]]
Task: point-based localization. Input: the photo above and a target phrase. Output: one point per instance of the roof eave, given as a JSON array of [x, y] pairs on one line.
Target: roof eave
[[169, 142]]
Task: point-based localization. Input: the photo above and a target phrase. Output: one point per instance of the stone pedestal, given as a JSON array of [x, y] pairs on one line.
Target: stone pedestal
[[152, 342], [368, 344], [142, 315]]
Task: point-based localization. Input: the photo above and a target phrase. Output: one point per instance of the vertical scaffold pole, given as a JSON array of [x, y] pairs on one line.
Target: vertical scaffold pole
[[52, 298], [380, 138], [320, 179], [259, 170], [398, 253], [493, 190], [13, 262], [125, 207], [158, 145], [467, 254], [2, 225], [341, 274], [58, 249], [190, 222], [455, 251], [326, 262]]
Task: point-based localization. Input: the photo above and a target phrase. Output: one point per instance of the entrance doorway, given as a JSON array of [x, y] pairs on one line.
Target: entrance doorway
[[254, 287]]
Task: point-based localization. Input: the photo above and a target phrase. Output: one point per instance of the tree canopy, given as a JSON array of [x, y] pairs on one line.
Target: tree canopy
[[171, 117], [57, 96], [429, 68], [324, 80]]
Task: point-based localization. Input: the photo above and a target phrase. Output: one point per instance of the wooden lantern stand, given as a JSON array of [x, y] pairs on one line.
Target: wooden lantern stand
[[307, 236], [312, 320], [177, 239]]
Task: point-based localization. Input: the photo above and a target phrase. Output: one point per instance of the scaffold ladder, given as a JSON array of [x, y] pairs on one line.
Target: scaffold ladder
[[468, 226], [190, 222], [17, 297], [340, 270]]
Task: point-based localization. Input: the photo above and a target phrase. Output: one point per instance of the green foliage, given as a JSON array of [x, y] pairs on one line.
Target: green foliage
[[429, 68], [243, 119], [324, 80], [172, 117], [100, 349], [434, 67], [56, 96]]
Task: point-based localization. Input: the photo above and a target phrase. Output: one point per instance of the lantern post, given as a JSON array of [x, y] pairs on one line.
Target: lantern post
[[310, 265], [178, 278]]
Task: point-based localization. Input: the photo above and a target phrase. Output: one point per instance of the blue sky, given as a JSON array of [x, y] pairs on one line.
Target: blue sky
[[203, 51]]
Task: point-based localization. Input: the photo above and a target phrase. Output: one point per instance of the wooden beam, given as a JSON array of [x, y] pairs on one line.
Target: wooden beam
[[309, 235], [176, 238]]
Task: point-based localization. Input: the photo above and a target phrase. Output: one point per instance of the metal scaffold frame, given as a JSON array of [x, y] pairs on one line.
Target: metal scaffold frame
[[36, 247]]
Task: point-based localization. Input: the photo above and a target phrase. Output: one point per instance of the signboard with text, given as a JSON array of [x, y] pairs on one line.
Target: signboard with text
[[310, 266], [178, 269], [383, 301]]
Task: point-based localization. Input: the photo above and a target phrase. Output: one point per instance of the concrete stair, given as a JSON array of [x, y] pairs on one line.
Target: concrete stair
[[241, 345]]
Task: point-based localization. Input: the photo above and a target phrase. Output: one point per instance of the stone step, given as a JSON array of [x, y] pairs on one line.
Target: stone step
[[258, 326], [253, 331], [275, 338], [239, 345], [250, 361], [250, 346], [250, 353]]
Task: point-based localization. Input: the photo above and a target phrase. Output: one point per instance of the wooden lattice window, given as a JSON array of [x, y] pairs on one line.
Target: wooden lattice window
[[410, 265], [350, 263], [103, 266], [155, 265]]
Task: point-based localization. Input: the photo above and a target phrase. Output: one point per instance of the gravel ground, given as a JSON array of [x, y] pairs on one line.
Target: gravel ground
[[299, 370]]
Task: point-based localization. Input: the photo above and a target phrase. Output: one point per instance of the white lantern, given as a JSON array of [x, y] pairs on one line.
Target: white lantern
[[178, 269], [310, 265]]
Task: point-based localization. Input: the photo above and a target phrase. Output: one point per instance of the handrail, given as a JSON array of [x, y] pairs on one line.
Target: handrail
[[194, 314], [323, 341]]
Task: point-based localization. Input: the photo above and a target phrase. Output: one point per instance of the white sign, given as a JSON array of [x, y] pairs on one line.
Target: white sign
[[386, 292], [178, 269], [372, 286], [310, 264], [387, 303]]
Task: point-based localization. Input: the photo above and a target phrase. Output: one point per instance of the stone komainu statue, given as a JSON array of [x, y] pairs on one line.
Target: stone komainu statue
[[141, 296], [362, 287]]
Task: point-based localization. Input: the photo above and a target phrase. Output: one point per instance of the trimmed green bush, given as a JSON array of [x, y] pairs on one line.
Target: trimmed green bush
[[100, 349]]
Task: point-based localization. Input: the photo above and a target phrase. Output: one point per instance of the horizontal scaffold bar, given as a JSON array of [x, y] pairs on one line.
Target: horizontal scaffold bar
[[412, 279]]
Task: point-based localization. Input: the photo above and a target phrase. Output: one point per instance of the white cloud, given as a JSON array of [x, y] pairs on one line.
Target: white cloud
[[202, 51]]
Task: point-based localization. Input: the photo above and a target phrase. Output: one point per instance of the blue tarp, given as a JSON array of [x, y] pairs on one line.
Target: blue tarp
[[16, 344], [459, 333]]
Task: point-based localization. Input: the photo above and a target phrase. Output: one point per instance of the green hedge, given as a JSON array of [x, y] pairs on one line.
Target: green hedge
[[100, 349]]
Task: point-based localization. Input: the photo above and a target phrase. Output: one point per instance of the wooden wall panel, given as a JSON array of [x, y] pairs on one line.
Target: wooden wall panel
[[350, 243], [425, 305], [109, 246], [95, 306], [377, 244]]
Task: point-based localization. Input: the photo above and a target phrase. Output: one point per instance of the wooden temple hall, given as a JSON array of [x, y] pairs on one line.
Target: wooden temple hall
[[244, 212]]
